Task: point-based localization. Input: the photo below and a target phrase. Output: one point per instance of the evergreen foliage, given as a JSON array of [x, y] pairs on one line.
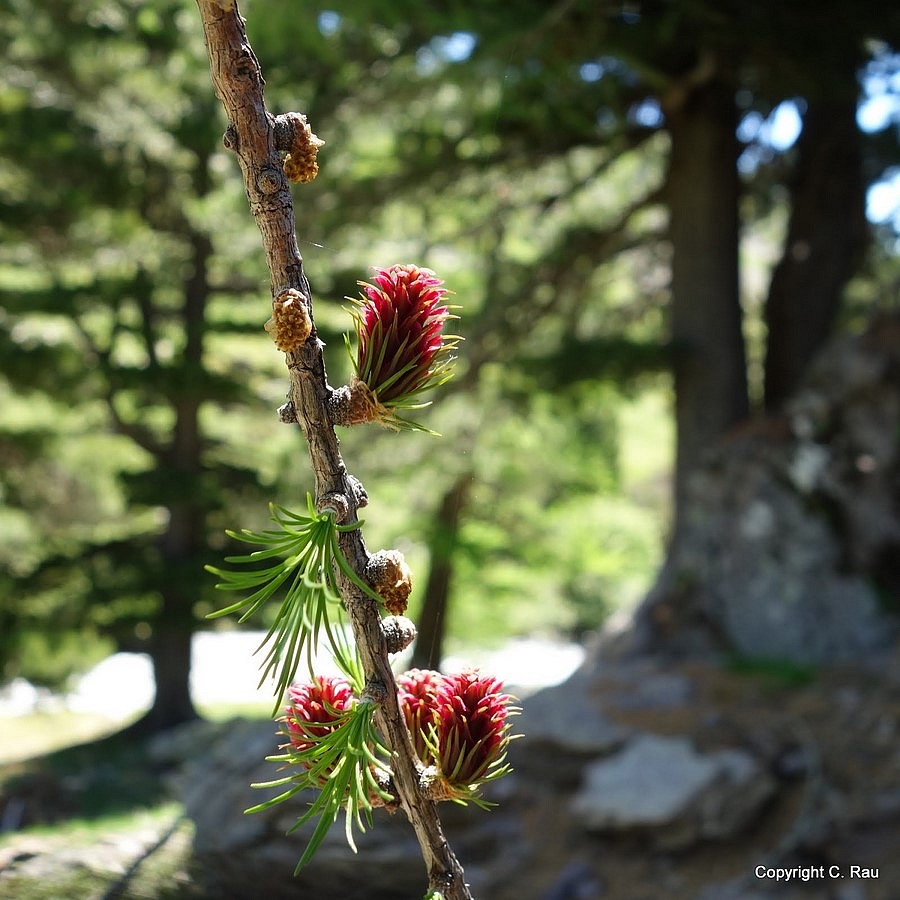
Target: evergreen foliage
[[519, 149], [124, 332]]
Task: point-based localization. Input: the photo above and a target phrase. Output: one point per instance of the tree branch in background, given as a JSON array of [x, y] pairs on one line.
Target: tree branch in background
[[258, 138]]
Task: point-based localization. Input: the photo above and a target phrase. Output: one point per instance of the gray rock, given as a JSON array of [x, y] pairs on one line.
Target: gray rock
[[640, 684], [569, 716], [770, 574], [663, 786], [216, 787], [735, 797], [791, 529]]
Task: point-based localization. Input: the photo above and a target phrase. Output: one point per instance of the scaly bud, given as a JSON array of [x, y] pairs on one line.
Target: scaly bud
[[300, 164], [391, 579], [290, 324]]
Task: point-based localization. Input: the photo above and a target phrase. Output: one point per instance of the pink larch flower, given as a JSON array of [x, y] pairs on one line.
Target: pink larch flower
[[418, 692], [472, 732], [459, 724], [316, 708], [401, 346]]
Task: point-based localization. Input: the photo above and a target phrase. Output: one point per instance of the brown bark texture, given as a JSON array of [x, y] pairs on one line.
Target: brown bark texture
[[702, 191], [257, 137], [827, 235]]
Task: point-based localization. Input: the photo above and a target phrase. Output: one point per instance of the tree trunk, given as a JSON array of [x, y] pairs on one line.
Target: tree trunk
[[433, 619], [185, 535], [171, 654], [703, 194], [826, 234], [173, 626]]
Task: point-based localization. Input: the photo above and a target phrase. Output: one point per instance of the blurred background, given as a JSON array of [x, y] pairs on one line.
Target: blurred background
[[654, 217]]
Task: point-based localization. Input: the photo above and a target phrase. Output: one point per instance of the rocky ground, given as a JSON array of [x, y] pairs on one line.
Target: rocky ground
[[635, 779], [720, 772]]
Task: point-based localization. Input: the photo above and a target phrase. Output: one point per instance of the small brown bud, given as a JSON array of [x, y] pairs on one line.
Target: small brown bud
[[354, 404], [287, 413], [290, 324], [359, 492], [399, 632], [301, 168], [375, 692], [391, 579], [230, 139], [300, 165]]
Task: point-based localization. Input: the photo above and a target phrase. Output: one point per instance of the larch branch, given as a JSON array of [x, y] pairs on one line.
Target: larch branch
[[251, 133]]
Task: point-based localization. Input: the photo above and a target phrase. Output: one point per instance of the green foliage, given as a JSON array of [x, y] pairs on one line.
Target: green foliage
[[123, 334], [311, 604], [341, 766], [566, 511], [774, 674], [48, 657]]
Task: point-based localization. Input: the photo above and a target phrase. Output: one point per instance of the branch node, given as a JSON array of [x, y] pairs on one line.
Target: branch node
[[269, 180], [435, 786], [386, 783], [293, 135], [246, 67], [287, 413], [355, 404], [360, 494], [335, 503], [374, 692], [231, 140]]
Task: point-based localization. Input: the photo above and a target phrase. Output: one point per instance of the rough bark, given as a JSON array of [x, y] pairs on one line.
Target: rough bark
[[253, 133], [826, 234], [702, 191]]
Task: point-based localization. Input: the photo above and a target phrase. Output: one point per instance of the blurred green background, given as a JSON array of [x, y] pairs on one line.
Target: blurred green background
[[519, 150], [584, 176]]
